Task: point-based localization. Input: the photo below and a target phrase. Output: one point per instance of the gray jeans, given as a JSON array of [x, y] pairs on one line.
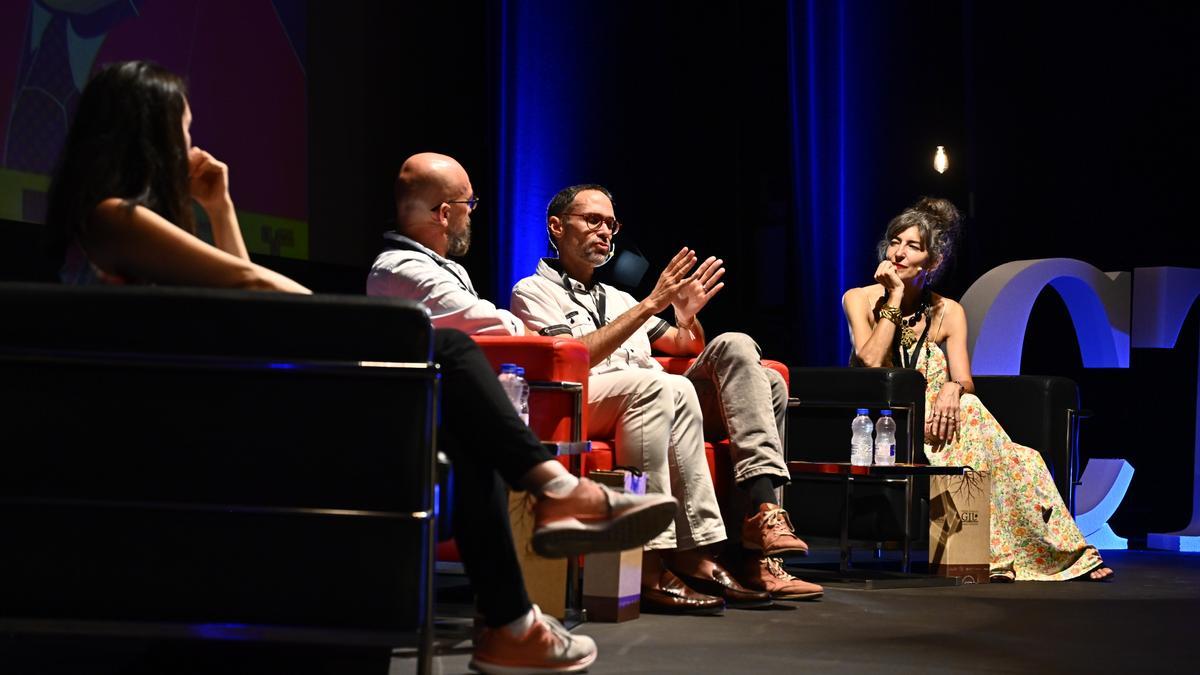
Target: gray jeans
[[744, 401]]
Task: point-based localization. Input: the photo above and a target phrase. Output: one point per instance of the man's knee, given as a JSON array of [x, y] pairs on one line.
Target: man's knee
[[652, 393], [737, 347]]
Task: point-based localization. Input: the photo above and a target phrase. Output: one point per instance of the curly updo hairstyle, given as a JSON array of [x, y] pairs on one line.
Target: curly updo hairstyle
[[937, 221]]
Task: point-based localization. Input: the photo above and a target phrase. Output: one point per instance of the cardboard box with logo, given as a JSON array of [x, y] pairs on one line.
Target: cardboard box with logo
[[960, 510]]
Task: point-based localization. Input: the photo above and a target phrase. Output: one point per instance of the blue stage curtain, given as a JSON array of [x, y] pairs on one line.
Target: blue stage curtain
[[831, 243]]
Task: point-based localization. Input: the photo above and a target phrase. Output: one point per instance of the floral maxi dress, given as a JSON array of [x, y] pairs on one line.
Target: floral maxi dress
[[1034, 537]]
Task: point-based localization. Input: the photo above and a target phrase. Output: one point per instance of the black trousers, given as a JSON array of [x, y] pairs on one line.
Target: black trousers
[[489, 447]]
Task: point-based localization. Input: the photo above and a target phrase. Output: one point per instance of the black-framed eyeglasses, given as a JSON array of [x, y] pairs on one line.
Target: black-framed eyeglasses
[[471, 202], [595, 220]]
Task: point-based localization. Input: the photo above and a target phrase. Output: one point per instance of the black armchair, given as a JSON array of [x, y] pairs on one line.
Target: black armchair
[[822, 406], [1041, 412], [217, 465]]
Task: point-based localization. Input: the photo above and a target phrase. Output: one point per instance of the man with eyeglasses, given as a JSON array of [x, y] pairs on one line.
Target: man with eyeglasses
[[660, 420], [486, 440], [434, 201]]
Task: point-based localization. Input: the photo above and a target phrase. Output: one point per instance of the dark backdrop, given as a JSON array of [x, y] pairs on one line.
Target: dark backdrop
[[781, 136]]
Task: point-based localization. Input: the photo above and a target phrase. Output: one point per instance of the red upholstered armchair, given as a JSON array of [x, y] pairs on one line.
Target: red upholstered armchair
[[550, 361], [558, 410], [720, 460], [557, 371]]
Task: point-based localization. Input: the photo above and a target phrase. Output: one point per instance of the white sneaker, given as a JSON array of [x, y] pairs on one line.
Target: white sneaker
[[547, 647]]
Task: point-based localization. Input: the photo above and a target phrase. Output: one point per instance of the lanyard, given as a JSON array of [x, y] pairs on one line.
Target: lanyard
[[400, 245], [598, 315]]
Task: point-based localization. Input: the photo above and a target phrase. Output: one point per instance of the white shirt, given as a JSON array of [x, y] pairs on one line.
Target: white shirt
[[409, 270], [552, 303]]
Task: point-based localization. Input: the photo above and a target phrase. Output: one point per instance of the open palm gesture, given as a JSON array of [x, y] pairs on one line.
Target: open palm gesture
[[698, 289]]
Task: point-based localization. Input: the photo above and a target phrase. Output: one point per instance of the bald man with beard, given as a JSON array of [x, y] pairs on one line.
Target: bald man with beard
[[434, 201], [486, 441]]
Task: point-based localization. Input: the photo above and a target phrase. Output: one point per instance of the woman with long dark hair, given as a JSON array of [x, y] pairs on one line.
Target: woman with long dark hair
[[121, 198], [899, 322]]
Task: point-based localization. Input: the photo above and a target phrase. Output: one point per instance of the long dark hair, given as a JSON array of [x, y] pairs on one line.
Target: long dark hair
[[126, 141]]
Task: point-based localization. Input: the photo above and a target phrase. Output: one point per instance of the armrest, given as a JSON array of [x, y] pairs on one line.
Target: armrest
[[1036, 411], [546, 359]]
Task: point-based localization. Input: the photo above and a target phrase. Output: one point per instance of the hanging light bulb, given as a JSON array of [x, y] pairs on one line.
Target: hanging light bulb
[[940, 161]]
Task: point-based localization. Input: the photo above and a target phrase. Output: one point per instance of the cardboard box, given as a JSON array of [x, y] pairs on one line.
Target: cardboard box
[[960, 509], [612, 582], [545, 578]]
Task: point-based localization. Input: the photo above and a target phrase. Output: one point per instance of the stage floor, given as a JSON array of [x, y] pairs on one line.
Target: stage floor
[[1143, 621]]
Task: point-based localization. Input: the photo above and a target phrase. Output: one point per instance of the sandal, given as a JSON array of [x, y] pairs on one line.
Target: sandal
[[1087, 576]]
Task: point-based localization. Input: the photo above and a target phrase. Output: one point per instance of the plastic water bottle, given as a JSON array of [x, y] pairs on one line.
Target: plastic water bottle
[[522, 386], [885, 439], [508, 382], [860, 439]]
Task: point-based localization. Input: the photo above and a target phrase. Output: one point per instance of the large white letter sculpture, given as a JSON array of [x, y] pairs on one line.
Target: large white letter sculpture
[[1162, 298], [999, 303], [998, 307]]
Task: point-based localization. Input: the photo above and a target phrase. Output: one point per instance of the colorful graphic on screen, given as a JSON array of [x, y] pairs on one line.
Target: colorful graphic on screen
[[244, 61]]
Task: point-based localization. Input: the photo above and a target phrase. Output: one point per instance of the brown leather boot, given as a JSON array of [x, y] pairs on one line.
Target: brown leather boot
[[767, 574], [770, 531]]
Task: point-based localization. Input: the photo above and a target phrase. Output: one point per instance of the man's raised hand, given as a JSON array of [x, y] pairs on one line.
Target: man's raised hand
[[671, 280]]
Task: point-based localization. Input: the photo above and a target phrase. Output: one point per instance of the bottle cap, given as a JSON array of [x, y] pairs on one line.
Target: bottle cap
[[885, 413], [864, 411], [520, 371], [508, 367]]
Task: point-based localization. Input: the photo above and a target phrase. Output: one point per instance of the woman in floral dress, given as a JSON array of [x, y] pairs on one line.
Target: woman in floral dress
[[897, 322]]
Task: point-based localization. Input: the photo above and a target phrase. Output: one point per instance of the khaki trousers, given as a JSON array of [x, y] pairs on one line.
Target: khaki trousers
[[659, 421]]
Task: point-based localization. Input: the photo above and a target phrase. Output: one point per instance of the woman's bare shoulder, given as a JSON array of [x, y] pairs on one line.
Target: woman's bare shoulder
[[948, 306]]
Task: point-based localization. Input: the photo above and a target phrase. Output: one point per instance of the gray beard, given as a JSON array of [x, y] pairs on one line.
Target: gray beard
[[593, 259], [459, 244]]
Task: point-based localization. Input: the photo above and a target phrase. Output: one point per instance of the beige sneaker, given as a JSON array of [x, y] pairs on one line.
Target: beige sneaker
[[594, 518], [770, 531], [767, 574], [547, 647]]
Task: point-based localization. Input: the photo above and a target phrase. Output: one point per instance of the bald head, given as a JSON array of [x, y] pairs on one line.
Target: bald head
[[425, 187], [427, 179]]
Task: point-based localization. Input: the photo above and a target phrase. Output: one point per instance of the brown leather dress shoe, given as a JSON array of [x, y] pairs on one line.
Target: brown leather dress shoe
[[672, 596], [721, 583]]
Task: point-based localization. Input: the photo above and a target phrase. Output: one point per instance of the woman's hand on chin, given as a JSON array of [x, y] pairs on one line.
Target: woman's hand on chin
[[208, 179]]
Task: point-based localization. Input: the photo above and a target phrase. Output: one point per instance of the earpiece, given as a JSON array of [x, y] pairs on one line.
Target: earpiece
[[612, 250]]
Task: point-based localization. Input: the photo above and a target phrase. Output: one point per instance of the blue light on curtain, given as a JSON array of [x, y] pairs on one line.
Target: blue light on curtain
[[535, 136], [825, 93]]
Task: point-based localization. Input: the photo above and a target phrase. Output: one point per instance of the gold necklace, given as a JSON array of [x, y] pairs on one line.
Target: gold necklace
[[908, 337]]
